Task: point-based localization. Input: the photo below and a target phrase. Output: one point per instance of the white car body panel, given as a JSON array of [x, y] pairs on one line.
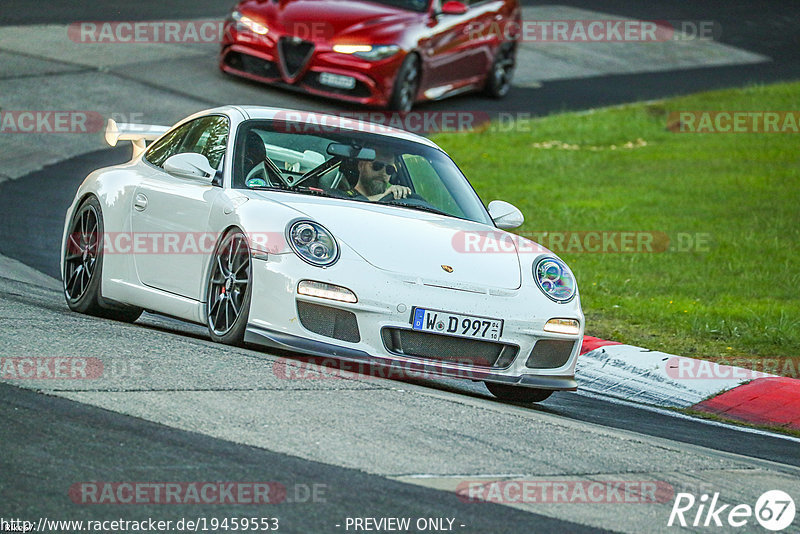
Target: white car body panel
[[174, 205], [409, 241]]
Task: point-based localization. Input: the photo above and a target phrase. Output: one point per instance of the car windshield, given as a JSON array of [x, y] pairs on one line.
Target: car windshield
[[412, 5], [325, 160]]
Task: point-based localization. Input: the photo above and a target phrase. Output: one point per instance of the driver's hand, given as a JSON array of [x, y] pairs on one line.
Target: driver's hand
[[398, 191]]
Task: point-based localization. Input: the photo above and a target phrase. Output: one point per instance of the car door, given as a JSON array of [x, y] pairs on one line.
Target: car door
[[445, 49], [456, 50], [488, 24], [170, 215]]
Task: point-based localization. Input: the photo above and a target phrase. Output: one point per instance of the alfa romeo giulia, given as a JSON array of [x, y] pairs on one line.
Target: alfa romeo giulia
[[386, 53]]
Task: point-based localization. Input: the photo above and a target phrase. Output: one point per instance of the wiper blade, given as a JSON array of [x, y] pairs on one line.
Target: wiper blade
[[429, 209], [311, 191], [293, 189]]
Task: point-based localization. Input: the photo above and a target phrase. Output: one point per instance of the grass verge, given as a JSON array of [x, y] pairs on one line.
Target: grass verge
[[724, 207]]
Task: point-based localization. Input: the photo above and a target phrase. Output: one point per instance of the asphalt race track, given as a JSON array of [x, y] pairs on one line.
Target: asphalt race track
[[179, 408]]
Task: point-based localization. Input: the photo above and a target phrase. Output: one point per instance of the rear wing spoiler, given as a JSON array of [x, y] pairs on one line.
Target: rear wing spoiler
[[135, 133]]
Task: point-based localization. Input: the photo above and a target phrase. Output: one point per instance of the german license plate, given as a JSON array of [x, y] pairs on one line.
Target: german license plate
[[336, 80], [456, 324]]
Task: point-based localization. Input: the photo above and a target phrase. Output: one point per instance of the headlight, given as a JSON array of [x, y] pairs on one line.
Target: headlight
[[313, 243], [245, 22], [368, 52], [554, 279]]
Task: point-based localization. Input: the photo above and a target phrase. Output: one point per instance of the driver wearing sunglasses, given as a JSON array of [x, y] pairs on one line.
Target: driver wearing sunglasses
[[374, 176]]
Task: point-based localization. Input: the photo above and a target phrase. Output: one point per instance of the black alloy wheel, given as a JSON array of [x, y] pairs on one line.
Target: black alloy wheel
[[229, 289]]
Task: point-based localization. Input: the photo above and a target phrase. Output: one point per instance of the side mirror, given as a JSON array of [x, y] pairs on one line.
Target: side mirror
[[505, 215], [190, 165], [453, 7]]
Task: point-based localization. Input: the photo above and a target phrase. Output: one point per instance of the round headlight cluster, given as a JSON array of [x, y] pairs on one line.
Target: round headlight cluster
[[313, 243], [554, 279]]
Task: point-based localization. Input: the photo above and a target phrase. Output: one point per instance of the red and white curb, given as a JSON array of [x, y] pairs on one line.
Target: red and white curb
[[640, 375]]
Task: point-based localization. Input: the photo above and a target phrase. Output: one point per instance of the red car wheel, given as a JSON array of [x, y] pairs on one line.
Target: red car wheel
[[406, 85]]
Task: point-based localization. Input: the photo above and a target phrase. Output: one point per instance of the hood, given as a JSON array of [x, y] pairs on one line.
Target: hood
[[328, 20], [414, 244]]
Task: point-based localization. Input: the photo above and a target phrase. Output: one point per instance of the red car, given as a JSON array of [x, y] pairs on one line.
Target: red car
[[386, 53]]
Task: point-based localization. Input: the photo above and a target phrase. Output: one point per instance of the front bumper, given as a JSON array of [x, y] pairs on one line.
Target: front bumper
[[385, 302], [410, 368], [258, 58]]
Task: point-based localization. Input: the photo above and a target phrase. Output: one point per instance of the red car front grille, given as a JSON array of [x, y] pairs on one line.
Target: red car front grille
[[294, 53]]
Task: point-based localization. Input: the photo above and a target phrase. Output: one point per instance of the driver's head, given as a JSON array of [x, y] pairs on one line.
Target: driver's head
[[374, 176]]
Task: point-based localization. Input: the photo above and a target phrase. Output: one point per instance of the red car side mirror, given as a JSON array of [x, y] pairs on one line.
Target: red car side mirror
[[454, 7]]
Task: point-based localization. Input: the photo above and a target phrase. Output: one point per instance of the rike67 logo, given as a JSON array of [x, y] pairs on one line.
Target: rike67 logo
[[774, 510]]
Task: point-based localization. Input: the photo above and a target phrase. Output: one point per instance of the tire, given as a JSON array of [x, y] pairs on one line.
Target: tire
[[406, 85], [517, 393], [229, 289], [498, 80], [83, 266]]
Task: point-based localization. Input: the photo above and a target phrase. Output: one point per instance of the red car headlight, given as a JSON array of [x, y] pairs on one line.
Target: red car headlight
[[368, 52], [245, 23]]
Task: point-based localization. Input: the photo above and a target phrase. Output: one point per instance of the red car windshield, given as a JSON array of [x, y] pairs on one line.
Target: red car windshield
[[412, 5]]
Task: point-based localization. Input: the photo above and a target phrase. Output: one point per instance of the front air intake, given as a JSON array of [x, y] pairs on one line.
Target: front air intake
[[464, 351], [329, 322], [295, 53], [550, 354]]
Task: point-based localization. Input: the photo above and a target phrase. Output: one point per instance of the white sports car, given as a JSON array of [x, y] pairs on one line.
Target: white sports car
[[324, 236]]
